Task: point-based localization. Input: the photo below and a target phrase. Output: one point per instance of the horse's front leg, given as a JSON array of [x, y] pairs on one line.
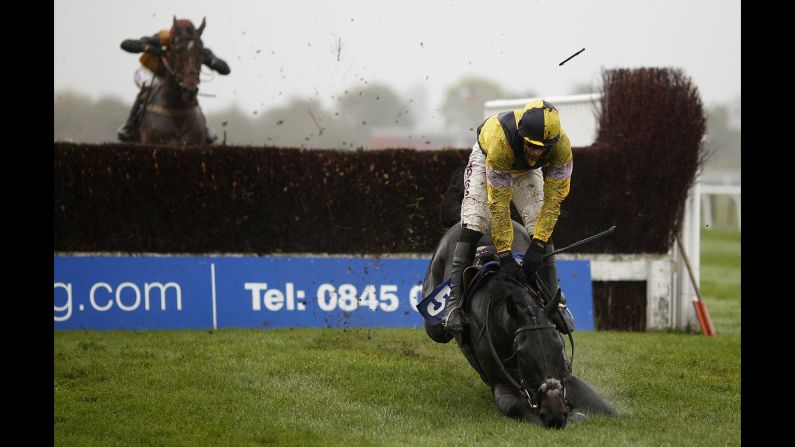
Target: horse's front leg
[[512, 405], [585, 398]]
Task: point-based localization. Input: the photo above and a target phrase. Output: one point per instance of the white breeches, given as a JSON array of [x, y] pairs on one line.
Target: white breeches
[[528, 194], [143, 75]]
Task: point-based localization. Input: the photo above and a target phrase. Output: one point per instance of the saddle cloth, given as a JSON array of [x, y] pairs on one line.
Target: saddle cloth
[[432, 307]]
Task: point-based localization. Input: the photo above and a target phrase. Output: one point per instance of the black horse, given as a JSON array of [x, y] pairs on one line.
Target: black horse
[[172, 114], [511, 341]]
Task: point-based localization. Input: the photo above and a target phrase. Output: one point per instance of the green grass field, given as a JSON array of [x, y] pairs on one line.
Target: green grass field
[[720, 279], [391, 386]]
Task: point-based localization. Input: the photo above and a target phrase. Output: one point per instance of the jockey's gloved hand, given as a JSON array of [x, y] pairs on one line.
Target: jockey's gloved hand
[[508, 265], [220, 66], [212, 61], [533, 257]]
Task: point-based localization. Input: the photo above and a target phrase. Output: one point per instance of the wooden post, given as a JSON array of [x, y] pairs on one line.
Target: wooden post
[[701, 308]]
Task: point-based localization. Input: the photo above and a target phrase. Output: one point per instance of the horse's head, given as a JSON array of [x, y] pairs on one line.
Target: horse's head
[[185, 56], [540, 353]]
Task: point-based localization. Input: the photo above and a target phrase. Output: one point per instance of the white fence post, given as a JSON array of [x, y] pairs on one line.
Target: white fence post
[[684, 316]]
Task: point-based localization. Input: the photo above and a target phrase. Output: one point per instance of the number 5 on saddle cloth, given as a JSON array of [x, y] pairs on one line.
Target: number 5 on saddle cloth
[[432, 307]]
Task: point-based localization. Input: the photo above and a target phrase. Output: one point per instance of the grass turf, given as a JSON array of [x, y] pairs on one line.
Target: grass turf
[[390, 386]]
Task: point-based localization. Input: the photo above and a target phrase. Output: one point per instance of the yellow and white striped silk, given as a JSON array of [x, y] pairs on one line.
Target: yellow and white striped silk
[[499, 162]]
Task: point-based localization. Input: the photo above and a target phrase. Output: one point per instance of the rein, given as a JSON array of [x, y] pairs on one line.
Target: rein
[[496, 357], [164, 60], [528, 327], [165, 63], [546, 292]]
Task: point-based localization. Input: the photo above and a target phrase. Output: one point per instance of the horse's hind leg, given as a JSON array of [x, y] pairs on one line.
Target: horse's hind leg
[[509, 402], [583, 397]]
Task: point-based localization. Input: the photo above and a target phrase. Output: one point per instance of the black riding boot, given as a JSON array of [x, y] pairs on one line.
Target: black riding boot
[[128, 132], [549, 274], [462, 258]]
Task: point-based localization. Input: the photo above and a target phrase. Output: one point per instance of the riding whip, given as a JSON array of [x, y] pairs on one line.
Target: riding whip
[[577, 244]]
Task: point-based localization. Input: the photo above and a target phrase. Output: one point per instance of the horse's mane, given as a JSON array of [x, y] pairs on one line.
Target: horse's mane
[[512, 286]]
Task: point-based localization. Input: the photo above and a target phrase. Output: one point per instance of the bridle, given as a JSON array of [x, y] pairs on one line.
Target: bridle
[[534, 326], [164, 60]]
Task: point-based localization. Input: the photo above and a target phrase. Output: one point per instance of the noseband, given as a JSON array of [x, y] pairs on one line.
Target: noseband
[[534, 326]]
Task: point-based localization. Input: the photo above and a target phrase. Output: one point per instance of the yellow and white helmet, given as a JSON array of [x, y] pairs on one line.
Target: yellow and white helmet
[[539, 123]]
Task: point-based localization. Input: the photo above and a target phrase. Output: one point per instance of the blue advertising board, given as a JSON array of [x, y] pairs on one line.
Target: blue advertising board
[[206, 292]]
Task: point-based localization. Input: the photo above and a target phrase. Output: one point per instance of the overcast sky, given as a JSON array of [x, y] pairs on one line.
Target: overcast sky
[[282, 49]]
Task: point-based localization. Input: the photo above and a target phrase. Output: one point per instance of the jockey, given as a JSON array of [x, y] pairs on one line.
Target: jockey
[[153, 47], [504, 167]]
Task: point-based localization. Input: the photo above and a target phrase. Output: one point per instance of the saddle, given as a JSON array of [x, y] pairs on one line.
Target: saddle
[[484, 254]]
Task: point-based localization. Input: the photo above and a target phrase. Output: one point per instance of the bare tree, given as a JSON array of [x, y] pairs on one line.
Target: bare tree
[[463, 103], [375, 105]]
